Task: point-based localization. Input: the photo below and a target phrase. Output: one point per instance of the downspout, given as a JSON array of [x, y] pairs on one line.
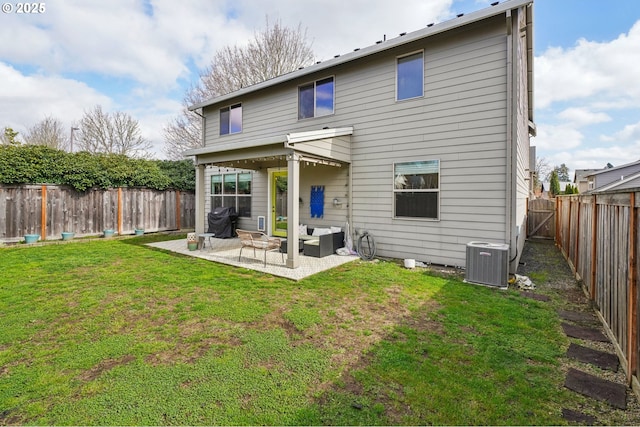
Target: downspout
[[511, 163], [529, 12]]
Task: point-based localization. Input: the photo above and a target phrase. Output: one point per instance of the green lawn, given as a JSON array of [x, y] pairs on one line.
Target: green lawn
[[110, 332]]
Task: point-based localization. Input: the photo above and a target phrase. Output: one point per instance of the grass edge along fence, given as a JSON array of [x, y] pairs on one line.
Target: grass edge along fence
[[598, 235], [50, 210]]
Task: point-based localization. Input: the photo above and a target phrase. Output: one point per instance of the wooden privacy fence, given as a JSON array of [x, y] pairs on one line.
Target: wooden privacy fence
[[48, 210], [598, 235]]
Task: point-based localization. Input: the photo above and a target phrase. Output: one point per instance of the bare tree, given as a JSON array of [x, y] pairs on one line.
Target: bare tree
[[543, 170], [117, 133], [274, 51], [49, 132]]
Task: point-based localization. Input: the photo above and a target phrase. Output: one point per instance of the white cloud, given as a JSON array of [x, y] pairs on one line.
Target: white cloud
[[338, 26], [630, 133], [578, 116], [28, 99], [608, 70], [595, 83], [562, 137], [598, 157], [117, 38]]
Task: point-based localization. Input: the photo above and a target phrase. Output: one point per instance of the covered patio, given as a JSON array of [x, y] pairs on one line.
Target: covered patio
[[327, 147], [227, 251]]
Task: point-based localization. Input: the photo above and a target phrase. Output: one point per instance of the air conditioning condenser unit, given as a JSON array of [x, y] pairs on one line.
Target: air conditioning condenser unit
[[488, 264]]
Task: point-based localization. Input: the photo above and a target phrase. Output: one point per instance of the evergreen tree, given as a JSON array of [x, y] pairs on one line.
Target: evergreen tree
[[554, 183]]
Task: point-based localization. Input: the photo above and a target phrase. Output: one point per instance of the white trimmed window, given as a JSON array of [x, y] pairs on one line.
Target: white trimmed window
[[416, 189], [232, 190], [316, 99], [410, 76], [231, 119]]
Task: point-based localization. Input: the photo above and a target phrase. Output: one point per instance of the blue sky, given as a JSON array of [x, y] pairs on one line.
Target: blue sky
[[139, 56]]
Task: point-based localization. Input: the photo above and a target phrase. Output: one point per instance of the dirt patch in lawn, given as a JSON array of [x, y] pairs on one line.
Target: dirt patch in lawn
[[104, 366]]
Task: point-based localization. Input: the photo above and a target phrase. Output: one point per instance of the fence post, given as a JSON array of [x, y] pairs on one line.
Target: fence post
[[43, 213], [576, 253], [594, 248], [119, 214], [178, 210], [567, 238], [557, 219], [632, 355]]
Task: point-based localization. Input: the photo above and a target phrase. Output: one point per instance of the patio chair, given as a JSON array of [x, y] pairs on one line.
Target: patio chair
[[258, 240]]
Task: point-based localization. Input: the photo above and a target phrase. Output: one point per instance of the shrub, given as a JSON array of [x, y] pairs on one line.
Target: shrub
[[38, 164]]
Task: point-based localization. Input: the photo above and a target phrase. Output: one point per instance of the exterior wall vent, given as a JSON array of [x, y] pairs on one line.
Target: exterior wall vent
[[488, 264]]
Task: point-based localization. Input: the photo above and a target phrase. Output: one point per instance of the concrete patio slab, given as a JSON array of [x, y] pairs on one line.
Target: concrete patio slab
[[226, 251]]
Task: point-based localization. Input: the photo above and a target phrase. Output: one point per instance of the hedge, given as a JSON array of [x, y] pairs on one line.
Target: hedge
[[39, 164]]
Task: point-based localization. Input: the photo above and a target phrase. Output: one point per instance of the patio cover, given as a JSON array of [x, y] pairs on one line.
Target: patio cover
[[329, 146]]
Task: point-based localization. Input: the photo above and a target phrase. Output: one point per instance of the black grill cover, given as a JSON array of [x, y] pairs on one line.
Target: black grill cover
[[222, 222]]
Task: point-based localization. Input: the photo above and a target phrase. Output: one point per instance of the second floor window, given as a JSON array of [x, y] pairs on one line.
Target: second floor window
[[410, 76], [231, 119], [316, 99]]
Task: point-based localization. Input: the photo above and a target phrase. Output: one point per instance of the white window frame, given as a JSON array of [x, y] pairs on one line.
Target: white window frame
[[423, 74], [235, 194], [315, 103], [426, 190]]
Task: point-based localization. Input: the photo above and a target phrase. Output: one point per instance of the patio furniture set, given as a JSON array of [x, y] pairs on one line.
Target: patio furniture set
[[320, 243]]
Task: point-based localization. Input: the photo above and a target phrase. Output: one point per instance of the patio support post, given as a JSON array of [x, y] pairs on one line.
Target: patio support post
[[293, 209], [200, 199]]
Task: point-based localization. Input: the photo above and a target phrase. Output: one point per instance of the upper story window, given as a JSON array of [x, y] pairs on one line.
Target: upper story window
[[410, 76], [316, 99], [416, 189], [231, 119]]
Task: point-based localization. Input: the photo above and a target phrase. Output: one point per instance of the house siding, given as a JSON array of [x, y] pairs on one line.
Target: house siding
[[462, 120]]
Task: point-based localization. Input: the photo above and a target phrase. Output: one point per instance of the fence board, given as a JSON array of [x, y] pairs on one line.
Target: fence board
[[90, 212], [598, 236]]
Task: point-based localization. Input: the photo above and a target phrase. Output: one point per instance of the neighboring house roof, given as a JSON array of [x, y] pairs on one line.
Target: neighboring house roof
[[582, 174], [430, 30], [629, 182], [601, 171]]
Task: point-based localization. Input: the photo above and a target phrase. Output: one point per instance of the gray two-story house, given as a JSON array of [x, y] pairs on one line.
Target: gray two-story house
[[420, 139]]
